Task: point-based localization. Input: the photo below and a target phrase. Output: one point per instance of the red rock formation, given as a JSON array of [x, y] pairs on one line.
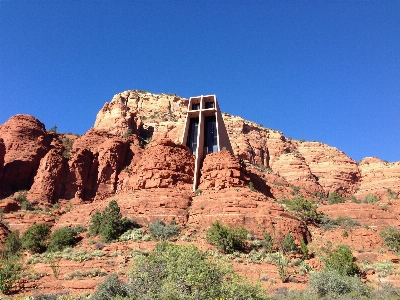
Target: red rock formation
[[295, 170], [150, 115], [240, 207], [26, 142], [48, 182], [377, 177], [254, 143], [335, 171], [4, 231], [22, 220], [106, 156], [163, 164], [221, 170], [2, 154], [365, 214], [143, 206]]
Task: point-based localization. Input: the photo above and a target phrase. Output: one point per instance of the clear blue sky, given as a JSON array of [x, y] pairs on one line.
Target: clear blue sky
[[315, 70]]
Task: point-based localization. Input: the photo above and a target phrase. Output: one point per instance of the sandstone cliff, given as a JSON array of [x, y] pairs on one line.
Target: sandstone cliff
[[133, 155]]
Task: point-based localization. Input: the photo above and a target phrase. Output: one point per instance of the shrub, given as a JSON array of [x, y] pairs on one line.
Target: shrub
[[62, 238], [304, 249], [135, 234], [226, 238], [183, 272], [109, 224], [391, 238], [251, 187], [53, 129], [127, 133], [13, 244], [341, 260], [67, 143], [282, 266], [384, 267], [110, 288], [335, 198], [35, 238], [343, 222], [10, 269], [21, 199], [21, 196], [288, 244], [391, 194], [161, 231], [370, 199], [304, 209], [268, 242], [334, 283]]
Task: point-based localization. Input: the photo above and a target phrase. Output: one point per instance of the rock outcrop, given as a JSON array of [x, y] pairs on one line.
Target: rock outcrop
[[295, 170], [2, 155], [365, 214], [48, 182], [379, 178], [162, 164], [252, 210], [336, 172], [26, 142], [222, 170], [150, 115]]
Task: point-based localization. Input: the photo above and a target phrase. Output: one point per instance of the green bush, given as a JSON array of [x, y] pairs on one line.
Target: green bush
[[13, 244], [333, 283], [183, 272], [110, 288], [10, 271], [391, 238], [288, 245], [304, 209], [341, 260], [127, 133], [391, 195], [268, 242], [343, 222], [23, 201], [62, 238], [162, 232], [109, 224], [335, 198], [35, 238], [304, 249], [251, 187], [370, 199], [282, 265], [384, 267], [226, 238]]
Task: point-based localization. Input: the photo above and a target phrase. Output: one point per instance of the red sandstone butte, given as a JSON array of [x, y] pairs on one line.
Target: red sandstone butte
[[26, 142]]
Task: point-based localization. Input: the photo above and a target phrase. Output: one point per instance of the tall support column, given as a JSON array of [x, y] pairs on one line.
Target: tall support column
[[201, 107]]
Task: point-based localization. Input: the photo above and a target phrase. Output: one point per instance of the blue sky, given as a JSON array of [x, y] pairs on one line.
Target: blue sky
[[315, 70]]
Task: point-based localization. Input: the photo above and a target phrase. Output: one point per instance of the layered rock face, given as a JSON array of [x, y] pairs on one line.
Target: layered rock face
[[163, 164], [365, 214], [335, 171], [26, 143], [95, 161], [294, 168], [149, 115], [240, 207], [377, 177], [222, 170], [143, 206], [313, 166]]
